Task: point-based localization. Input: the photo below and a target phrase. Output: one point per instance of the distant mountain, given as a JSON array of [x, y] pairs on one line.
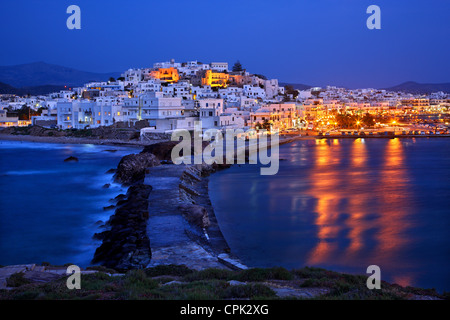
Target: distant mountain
[[41, 73], [34, 91], [414, 87], [40, 90], [297, 86], [7, 89]]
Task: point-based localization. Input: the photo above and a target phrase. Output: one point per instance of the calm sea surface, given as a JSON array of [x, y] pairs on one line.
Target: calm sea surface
[[344, 204], [49, 208]]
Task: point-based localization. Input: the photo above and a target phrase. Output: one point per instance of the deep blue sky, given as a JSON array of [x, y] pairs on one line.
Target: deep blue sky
[[316, 42]]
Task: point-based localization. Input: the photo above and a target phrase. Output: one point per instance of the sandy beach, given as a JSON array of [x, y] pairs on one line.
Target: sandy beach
[[73, 140]]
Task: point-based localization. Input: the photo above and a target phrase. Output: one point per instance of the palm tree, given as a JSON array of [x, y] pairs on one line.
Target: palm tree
[[266, 125]]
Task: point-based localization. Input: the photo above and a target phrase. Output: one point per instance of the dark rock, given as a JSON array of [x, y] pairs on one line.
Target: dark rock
[[111, 171], [188, 190], [109, 207], [132, 167], [163, 150], [120, 197], [71, 159], [41, 277], [126, 245], [106, 186], [113, 134], [121, 202], [100, 235], [131, 239], [195, 214]]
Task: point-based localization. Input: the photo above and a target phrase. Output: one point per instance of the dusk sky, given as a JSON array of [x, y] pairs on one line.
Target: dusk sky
[[320, 42]]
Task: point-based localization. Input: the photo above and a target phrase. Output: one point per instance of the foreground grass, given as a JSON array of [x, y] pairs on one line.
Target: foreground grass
[[178, 282]]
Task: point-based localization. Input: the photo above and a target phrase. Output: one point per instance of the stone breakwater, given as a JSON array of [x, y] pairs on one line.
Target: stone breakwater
[[166, 216], [125, 245], [182, 226]]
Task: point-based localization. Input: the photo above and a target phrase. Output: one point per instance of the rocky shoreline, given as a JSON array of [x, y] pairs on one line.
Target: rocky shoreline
[[99, 136], [184, 202], [125, 245]]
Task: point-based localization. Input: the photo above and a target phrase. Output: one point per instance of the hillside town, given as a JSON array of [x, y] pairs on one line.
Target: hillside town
[[173, 95]]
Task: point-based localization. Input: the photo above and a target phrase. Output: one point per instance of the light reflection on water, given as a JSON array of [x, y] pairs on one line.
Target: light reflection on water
[[331, 187], [344, 205]]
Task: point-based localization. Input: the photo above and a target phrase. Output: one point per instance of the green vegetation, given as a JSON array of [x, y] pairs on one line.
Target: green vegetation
[[237, 67], [261, 76], [249, 291], [172, 282], [168, 270], [17, 280], [354, 121], [260, 274], [101, 269], [288, 89], [25, 112]]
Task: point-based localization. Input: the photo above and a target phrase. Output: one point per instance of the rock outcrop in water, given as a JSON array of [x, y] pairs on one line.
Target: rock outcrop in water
[[126, 244], [132, 167], [71, 159]]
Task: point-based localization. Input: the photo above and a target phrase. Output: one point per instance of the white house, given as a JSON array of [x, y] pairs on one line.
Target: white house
[[254, 92], [219, 66], [152, 106], [271, 88]]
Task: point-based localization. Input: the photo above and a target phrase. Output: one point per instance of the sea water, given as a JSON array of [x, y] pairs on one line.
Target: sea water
[[344, 204], [50, 209]]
